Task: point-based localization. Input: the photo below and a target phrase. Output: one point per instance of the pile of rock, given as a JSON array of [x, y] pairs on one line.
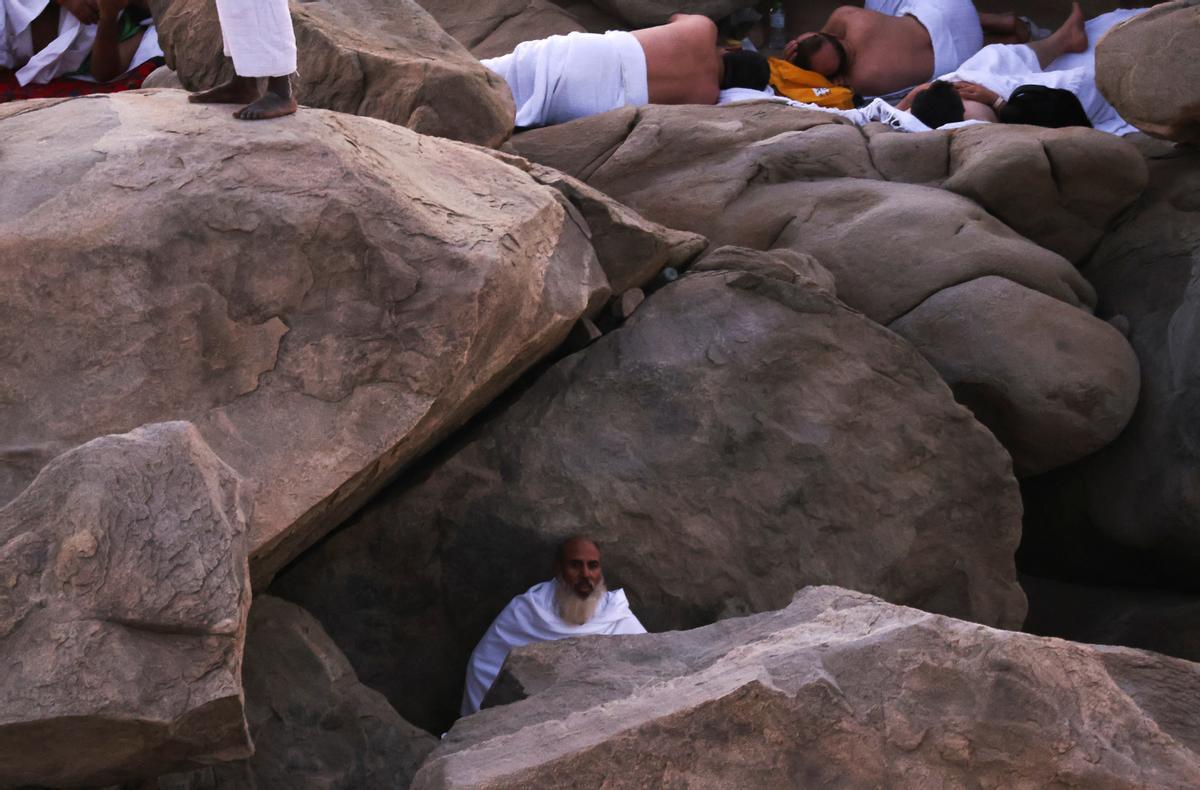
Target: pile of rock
[[378, 359]]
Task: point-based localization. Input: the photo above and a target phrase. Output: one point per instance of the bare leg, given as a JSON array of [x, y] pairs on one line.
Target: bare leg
[[1004, 28], [238, 90], [1071, 37], [276, 102]]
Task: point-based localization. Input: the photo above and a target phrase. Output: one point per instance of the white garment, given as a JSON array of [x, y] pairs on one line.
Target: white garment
[[562, 78], [258, 35], [533, 617], [953, 26], [1005, 67], [63, 55], [878, 109], [148, 48]]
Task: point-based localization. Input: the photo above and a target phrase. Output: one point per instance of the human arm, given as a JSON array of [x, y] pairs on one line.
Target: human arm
[[971, 91], [86, 11], [110, 55]]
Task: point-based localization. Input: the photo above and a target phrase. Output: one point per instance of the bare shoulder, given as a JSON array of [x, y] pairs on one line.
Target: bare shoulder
[[696, 23]]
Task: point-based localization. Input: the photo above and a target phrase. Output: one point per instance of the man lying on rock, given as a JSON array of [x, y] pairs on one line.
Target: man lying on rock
[[890, 45], [561, 78], [574, 603], [1051, 82]]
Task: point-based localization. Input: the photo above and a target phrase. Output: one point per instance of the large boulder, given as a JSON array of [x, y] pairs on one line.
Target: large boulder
[[384, 58], [315, 727], [1028, 367], [644, 13], [325, 299], [899, 218], [1145, 67], [838, 690], [741, 435], [123, 597], [1142, 492], [494, 27]]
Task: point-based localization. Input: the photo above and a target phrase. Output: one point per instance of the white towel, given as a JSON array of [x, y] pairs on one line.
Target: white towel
[[953, 26], [533, 617], [258, 36], [876, 110], [63, 55], [561, 78]]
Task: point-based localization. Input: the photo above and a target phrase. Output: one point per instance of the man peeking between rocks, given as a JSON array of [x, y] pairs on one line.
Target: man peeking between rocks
[[574, 603]]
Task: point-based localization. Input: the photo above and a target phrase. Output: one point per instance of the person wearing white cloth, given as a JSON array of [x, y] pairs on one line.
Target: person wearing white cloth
[[42, 40], [258, 36], [890, 45], [574, 603], [561, 78], [1065, 61]]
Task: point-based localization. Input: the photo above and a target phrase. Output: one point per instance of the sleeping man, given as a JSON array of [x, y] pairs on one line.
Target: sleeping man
[[561, 78], [890, 45], [1051, 82]]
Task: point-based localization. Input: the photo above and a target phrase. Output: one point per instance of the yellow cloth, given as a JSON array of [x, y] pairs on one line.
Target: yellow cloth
[[808, 86]]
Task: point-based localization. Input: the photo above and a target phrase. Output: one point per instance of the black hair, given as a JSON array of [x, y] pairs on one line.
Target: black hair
[[560, 551], [1038, 105], [938, 104], [745, 69], [807, 48]]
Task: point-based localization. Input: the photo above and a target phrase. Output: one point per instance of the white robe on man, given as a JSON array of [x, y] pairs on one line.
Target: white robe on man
[[258, 36], [533, 617], [63, 55], [1003, 68]]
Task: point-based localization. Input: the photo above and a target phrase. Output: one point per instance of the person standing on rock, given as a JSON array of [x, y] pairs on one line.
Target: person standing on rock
[[890, 45], [258, 36], [574, 603], [561, 78]]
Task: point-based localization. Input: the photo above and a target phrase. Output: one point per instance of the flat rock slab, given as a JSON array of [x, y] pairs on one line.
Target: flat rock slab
[[387, 59], [324, 298], [838, 690], [1147, 68], [123, 598], [315, 727], [741, 435]]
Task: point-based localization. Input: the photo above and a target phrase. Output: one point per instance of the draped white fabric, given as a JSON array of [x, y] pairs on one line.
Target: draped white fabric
[[258, 36], [533, 617]]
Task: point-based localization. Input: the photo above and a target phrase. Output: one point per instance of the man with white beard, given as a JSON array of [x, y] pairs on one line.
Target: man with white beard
[[574, 603]]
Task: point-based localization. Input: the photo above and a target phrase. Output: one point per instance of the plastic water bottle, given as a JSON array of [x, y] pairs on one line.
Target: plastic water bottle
[[778, 37]]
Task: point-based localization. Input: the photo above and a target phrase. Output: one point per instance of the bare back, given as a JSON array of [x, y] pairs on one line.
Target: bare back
[[683, 65], [885, 53]]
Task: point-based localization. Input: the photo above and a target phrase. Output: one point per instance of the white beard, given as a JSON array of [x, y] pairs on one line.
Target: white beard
[[571, 607]]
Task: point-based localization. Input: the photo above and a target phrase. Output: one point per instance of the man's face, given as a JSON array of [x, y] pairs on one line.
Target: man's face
[[580, 568]]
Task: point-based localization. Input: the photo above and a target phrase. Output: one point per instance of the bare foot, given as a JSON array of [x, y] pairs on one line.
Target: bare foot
[[1073, 31], [238, 90], [271, 105]]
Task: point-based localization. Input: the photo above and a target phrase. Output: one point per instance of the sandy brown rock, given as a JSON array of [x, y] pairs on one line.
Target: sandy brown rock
[[314, 725], [324, 299], [1052, 381], [387, 59], [1142, 493], [838, 690], [1062, 188], [494, 27], [1146, 68], [743, 433], [643, 13], [123, 597]]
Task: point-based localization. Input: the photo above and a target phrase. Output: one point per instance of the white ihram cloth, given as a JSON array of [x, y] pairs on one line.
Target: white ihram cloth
[[533, 617], [1005, 67], [877, 110], [561, 78], [258, 35], [63, 55], [66, 53], [953, 26]]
